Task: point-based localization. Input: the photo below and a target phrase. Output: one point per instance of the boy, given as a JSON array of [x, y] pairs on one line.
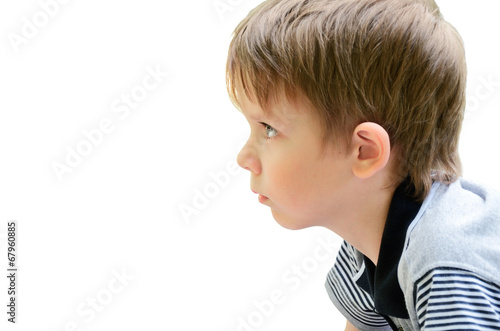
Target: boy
[[355, 109]]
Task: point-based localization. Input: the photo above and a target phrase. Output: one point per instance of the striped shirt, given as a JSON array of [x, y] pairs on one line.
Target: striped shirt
[[438, 268]]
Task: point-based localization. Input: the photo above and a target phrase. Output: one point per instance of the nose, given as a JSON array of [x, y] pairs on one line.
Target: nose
[[248, 160]]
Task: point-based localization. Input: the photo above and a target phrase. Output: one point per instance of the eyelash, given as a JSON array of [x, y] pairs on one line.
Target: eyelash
[[268, 128]]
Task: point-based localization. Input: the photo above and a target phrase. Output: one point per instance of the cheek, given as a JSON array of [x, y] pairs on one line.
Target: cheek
[[291, 182]]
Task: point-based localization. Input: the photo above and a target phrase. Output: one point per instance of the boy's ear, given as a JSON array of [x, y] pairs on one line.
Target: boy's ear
[[371, 148]]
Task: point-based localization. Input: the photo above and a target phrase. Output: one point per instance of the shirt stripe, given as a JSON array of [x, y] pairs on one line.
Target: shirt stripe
[[454, 299], [445, 298], [355, 301]]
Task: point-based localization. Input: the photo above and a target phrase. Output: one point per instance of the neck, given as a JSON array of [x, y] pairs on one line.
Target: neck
[[364, 220]]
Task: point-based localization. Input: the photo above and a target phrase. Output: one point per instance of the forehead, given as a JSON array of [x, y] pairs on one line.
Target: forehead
[[279, 107]]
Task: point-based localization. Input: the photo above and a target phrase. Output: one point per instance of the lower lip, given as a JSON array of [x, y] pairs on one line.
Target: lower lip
[[262, 198]]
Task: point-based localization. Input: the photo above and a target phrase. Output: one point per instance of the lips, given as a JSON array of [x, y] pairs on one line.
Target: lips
[[262, 198]]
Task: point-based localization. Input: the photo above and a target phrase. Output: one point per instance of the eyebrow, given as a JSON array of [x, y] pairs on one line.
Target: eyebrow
[[263, 117], [275, 116]]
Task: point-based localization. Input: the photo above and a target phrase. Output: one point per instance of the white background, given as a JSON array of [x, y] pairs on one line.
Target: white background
[[118, 210]]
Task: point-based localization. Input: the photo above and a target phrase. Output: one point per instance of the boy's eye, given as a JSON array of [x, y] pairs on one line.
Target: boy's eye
[[270, 131]]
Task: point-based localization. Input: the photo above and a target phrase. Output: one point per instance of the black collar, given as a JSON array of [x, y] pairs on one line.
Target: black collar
[[381, 281]]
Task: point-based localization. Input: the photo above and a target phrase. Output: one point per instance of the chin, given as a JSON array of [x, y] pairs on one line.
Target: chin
[[288, 222]]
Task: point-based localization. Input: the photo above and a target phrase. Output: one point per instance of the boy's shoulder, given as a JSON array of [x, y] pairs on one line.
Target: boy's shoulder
[[450, 255], [458, 226]]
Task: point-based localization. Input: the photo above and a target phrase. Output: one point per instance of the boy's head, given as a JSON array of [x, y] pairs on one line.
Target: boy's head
[[395, 63]]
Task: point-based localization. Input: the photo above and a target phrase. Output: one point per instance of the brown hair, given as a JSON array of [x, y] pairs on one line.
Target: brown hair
[[397, 63]]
